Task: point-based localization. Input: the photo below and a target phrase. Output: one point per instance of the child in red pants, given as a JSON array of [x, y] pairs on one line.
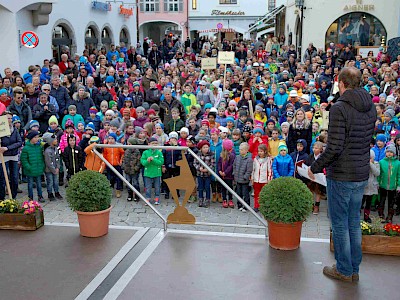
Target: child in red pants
[[262, 172]]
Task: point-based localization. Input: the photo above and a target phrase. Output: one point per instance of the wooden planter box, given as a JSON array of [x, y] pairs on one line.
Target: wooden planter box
[[22, 221], [378, 244]]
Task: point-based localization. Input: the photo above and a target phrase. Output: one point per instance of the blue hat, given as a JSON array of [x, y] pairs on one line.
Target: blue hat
[[258, 129], [16, 119], [128, 99], [113, 135], [381, 137], [3, 91], [161, 125], [32, 134], [82, 60], [282, 147], [270, 121], [136, 83], [230, 119], [109, 79], [208, 105], [90, 126], [33, 123], [383, 95]]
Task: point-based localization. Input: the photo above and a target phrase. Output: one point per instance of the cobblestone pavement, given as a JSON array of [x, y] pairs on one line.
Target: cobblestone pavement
[[137, 214]]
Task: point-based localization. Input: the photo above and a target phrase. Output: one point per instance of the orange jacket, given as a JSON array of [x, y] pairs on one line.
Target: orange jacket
[[93, 162], [114, 155]]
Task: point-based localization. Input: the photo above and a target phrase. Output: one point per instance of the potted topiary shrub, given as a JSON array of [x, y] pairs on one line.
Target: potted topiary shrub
[[89, 195], [285, 203]]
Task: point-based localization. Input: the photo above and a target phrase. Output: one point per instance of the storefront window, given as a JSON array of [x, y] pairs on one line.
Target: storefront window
[[357, 29]]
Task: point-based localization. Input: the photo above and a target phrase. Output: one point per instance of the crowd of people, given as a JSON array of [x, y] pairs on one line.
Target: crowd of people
[[269, 116]]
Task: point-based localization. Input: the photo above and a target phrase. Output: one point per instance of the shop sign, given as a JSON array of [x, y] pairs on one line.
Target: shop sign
[[127, 12], [359, 6], [216, 12], [101, 6]]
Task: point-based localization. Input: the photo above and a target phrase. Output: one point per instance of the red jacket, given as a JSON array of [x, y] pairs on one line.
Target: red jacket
[[254, 145]]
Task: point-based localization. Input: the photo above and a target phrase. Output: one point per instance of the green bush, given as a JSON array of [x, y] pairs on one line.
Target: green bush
[[89, 191], [285, 200]]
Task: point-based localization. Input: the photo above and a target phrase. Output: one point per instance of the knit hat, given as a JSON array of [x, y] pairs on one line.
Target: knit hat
[[293, 93], [69, 123], [114, 123], [138, 129], [109, 79], [155, 106], [375, 99], [184, 129], [94, 139], [259, 129], [290, 114], [381, 137], [223, 129], [270, 121], [390, 98], [136, 83], [227, 144], [192, 139], [242, 113], [202, 143], [285, 124], [230, 119], [232, 102], [390, 113], [282, 147], [151, 112], [110, 112], [383, 95], [140, 109], [132, 141], [33, 123], [208, 105], [226, 93], [205, 122], [394, 132], [90, 126], [52, 119], [259, 108], [173, 135], [3, 91], [71, 107], [214, 130], [152, 139], [32, 134], [16, 119], [111, 104], [49, 137], [391, 148], [246, 128], [113, 135]]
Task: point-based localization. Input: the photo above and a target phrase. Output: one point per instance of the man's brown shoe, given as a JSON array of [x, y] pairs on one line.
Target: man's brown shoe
[[355, 277], [334, 273]]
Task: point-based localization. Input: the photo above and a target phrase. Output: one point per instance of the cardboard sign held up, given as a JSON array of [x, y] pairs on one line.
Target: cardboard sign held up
[[325, 120], [4, 127], [209, 63], [226, 57]]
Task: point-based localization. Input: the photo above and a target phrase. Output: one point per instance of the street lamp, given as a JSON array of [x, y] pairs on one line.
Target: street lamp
[[300, 4]]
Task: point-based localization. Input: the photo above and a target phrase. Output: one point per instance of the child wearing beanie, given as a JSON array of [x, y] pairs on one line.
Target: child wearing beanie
[[225, 171], [203, 176], [132, 166], [257, 139], [262, 172]]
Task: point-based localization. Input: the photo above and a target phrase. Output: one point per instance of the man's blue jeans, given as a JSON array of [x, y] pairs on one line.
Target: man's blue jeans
[[344, 202]]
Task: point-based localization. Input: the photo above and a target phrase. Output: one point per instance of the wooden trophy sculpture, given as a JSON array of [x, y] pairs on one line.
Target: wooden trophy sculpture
[[184, 182]]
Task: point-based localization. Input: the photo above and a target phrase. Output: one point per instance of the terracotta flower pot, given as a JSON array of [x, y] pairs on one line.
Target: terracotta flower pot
[[284, 236], [94, 224]]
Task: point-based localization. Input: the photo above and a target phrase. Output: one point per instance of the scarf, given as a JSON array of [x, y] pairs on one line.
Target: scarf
[[300, 124]]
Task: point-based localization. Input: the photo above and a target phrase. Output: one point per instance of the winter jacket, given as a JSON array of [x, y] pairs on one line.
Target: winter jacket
[[190, 159], [13, 142], [82, 105], [171, 157], [73, 159], [152, 169], [296, 134], [209, 159], [283, 166], [121, 100], [273, 146], [62, 97], [188, 100], [102, 96], [64, 140], [32, 159], [243, 168], [280, 99], [52, 159], [92, 161], [76, 119], [139, 122], [42, 116], [23, 111], [137, 99], [221, 120], [174, 125], [236, 145], [96, 122], [351, 125], [131, 161], [153, 96], [379, 153], [205, 96], [165, 110], [253, 149], [389, 178], [372, 186], [262, 170], [216, 148], [113, 155], [226, 166]]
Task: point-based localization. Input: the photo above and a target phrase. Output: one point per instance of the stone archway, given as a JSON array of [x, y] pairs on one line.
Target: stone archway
[[92, 36], [63, 39], [107, 36], [124, 36]]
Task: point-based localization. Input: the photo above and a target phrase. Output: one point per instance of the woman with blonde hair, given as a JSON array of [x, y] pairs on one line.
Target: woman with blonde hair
[[300, 129]]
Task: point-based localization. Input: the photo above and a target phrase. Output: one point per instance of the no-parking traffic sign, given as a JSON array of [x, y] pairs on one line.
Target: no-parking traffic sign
[[29, 39]]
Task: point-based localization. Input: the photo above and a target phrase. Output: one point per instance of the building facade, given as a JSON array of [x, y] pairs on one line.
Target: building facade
[[230, 18], [159, 17], [75, 24]]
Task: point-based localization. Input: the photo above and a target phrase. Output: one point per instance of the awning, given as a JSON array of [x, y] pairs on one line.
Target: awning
[[216, 30], [265, 31], [268, 19]]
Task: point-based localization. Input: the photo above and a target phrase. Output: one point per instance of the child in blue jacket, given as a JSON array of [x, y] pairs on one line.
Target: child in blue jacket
[[283, 164]]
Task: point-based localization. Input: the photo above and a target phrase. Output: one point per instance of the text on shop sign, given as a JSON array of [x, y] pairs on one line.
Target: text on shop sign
[[217, 12], [125, 11], [360, 6], [101, 6]]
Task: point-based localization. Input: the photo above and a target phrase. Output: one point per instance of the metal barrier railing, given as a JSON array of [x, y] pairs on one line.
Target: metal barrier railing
[[141, 197]]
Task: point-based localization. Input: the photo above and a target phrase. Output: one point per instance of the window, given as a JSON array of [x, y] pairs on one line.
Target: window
[[173, 5], [149, 5], [227, 1]]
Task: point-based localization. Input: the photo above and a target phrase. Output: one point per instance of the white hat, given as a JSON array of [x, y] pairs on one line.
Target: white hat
[[305, 97], [184, 129], [293, 93], [256, 64], [202, 82], [216, 83], [213, 109], [390, 98], [285, 72], [173, 135], [223, 129]]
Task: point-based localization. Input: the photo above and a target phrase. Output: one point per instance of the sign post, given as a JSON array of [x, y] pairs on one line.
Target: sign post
[[209, 64], [29, 39], [5, 131], [226, 58]]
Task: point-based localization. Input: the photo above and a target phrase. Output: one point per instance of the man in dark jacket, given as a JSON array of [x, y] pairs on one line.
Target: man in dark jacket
[[155, 57], [166, 106], [346, 159], [21, 109], [61, 94], [153, 94]]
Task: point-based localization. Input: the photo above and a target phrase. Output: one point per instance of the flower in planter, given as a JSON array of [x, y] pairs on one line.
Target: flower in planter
[[9, 206], [391, 229], [30, 207], [366, 228]]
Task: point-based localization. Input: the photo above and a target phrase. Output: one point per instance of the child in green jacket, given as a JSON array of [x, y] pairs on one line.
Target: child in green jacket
[[389, 182], [152, 160], [32, 161]]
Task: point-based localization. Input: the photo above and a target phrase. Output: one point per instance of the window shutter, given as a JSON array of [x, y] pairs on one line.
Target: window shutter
[[157, 5], [165, 5], [180, 5], [142, 6]]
